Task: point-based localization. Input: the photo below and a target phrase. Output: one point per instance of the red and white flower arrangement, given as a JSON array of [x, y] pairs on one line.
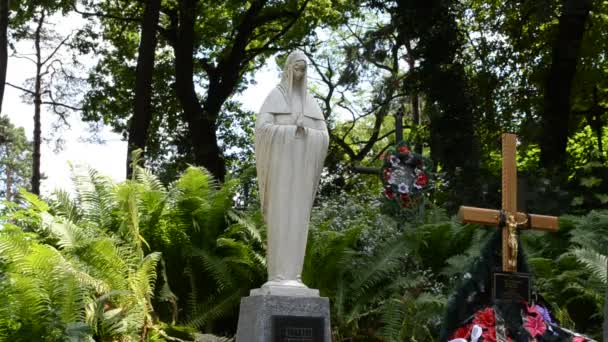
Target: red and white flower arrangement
[[536, 321], [404, 175]]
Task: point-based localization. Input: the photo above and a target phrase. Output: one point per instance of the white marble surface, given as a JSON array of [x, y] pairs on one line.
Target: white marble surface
[[291, 142]]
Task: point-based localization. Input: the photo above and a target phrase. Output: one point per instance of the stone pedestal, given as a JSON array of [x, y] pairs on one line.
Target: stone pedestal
[[272, 318]]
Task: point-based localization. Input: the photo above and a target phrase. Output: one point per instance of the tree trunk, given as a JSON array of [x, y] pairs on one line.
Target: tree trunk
[[453, 141], [37, 107], [142, 113], [416, 119], [223, 77], [201, 125], [556, 109], [415, 98], [4, 5]]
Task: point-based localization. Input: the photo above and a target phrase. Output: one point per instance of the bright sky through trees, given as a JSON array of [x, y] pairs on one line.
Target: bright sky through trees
[[106, 157]]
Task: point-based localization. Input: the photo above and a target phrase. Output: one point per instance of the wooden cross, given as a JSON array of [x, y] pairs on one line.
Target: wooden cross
[[508, 218]]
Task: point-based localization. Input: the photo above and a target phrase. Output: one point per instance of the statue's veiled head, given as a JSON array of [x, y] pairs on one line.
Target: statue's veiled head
[[291, 94], [294, 74]]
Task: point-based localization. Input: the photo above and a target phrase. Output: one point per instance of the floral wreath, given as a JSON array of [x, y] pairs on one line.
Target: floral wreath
[[404, 176], [537, 322]]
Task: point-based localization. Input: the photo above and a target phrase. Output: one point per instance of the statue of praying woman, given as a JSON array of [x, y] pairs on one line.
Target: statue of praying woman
[[291, 141]]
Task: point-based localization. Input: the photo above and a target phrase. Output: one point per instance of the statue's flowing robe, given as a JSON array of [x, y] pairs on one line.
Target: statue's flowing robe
[[289, 161]]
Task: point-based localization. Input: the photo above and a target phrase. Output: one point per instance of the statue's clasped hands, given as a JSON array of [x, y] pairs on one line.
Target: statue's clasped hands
[[300, 130]]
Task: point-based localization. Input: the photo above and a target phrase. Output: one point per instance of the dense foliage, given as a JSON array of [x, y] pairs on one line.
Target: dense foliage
[[121, 261], [168, 253], [15, 156]]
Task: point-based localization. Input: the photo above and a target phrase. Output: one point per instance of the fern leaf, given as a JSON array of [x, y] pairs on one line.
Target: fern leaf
[[215, 266], [595, 262]]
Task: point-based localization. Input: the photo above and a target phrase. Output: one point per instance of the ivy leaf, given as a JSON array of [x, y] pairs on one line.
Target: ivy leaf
[[578, 200], [590, 182], [602, 197]]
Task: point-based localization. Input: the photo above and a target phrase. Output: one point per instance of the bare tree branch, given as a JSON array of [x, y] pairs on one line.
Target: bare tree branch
[[23, 57], [103, 15], [349, 151], [20, 88], [58, 104], [366, 170], [383, 149], [270, 17], [52, 54]]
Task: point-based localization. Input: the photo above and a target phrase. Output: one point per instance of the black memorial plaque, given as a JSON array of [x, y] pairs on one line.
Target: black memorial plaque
[[511, 287], [298, 329]]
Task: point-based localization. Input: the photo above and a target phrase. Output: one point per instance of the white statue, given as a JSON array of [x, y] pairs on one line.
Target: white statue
[[291, 143]]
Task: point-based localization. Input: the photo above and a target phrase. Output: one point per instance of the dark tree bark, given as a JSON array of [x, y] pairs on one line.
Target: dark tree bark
[[224, 77], [201, 125], [4, 5], [414, 96], [142, 113], [442, 78], [565, 56], [37, 107]]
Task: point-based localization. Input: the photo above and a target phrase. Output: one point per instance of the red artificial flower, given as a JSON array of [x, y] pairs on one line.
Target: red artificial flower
[[535, 325], [403, 149], [387, 174], [405, 200], [462, 332], [422, 179], [485, 318], [489, 334], [388, 192], [578, 339], [532, 310]]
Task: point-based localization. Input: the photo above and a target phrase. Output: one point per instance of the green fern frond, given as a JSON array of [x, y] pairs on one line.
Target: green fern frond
[[193, 296], [107, 261], [127, 197], [197, 182], [393, 315], [235, 252], [95, 195], [377, 268], [34, 200], [149, 181], [14, 244], [595, 262], [243, 224], [64, 206], [79, 331], [71, 296], [165, 293], [68, 234], [215, 266], [591, 230], [144, 279], [215, 310], [213, 338]]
